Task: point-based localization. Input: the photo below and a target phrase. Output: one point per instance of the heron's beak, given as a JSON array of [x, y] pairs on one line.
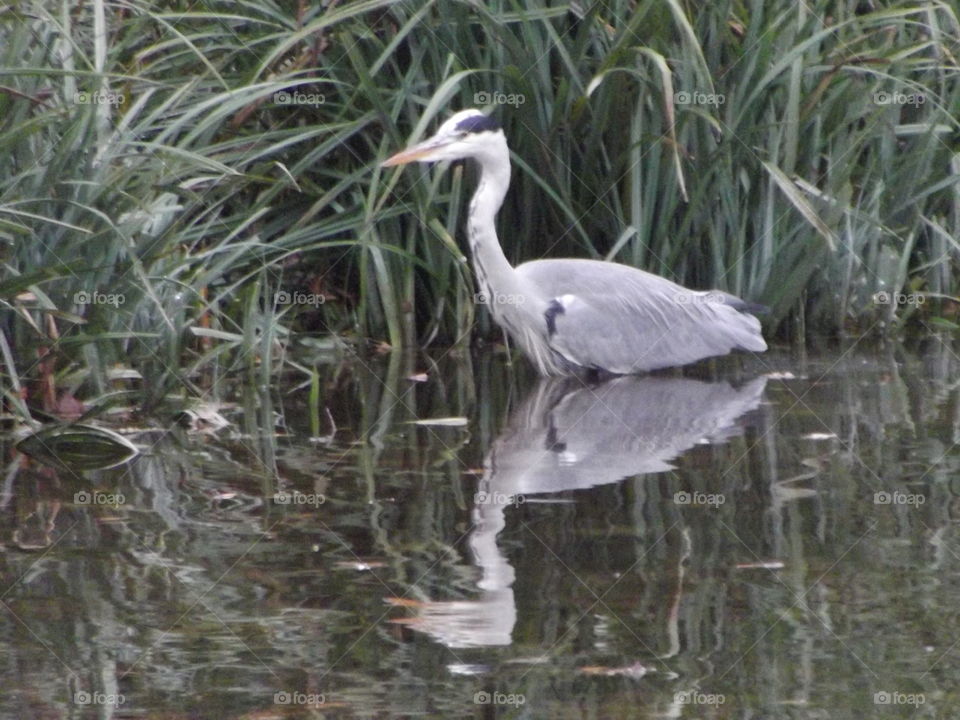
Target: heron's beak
[[421, 152]]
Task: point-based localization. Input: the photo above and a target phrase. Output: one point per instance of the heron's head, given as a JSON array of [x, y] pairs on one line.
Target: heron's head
[[468, 134]]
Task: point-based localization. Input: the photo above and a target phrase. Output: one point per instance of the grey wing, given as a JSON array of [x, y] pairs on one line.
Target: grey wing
[[624, 320]]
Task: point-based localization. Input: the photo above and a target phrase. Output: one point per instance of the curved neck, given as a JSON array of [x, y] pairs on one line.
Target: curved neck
[[495, 275]]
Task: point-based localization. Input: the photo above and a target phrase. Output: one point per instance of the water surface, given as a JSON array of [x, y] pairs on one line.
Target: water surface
[[764, 537]]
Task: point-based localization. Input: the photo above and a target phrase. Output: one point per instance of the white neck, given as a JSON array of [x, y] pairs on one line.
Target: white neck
[[516, 304], [495, 276]]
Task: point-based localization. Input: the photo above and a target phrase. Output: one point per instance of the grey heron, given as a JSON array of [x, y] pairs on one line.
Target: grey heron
[[579, 316]]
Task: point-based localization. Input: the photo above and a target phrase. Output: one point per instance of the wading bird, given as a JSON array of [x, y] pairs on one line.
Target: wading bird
[[581, 317]]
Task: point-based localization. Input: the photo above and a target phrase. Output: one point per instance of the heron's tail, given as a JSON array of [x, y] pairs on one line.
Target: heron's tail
[[744, 306], [753, 308]]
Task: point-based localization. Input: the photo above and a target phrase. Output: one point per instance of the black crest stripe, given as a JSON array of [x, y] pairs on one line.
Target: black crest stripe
[[478, 123]]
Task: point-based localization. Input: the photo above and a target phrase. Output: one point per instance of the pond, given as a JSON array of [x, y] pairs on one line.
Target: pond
[[760, 537]]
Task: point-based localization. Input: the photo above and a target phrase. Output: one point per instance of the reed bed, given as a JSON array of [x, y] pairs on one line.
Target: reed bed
[[186, 184]]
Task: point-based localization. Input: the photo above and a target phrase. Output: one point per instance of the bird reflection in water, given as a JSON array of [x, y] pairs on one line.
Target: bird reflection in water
[[571, 436]]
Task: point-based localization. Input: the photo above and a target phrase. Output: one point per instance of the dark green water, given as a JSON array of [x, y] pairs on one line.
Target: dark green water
[[767, 538]]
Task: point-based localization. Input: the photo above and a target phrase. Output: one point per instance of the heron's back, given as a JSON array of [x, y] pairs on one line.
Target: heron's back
[[623, 320]]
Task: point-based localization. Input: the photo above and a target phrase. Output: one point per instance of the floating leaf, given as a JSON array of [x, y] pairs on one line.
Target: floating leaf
[[761, 565], [78, 447], [635, 671], [468, 669], [359, 565], [403, 602], [442, 422]]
